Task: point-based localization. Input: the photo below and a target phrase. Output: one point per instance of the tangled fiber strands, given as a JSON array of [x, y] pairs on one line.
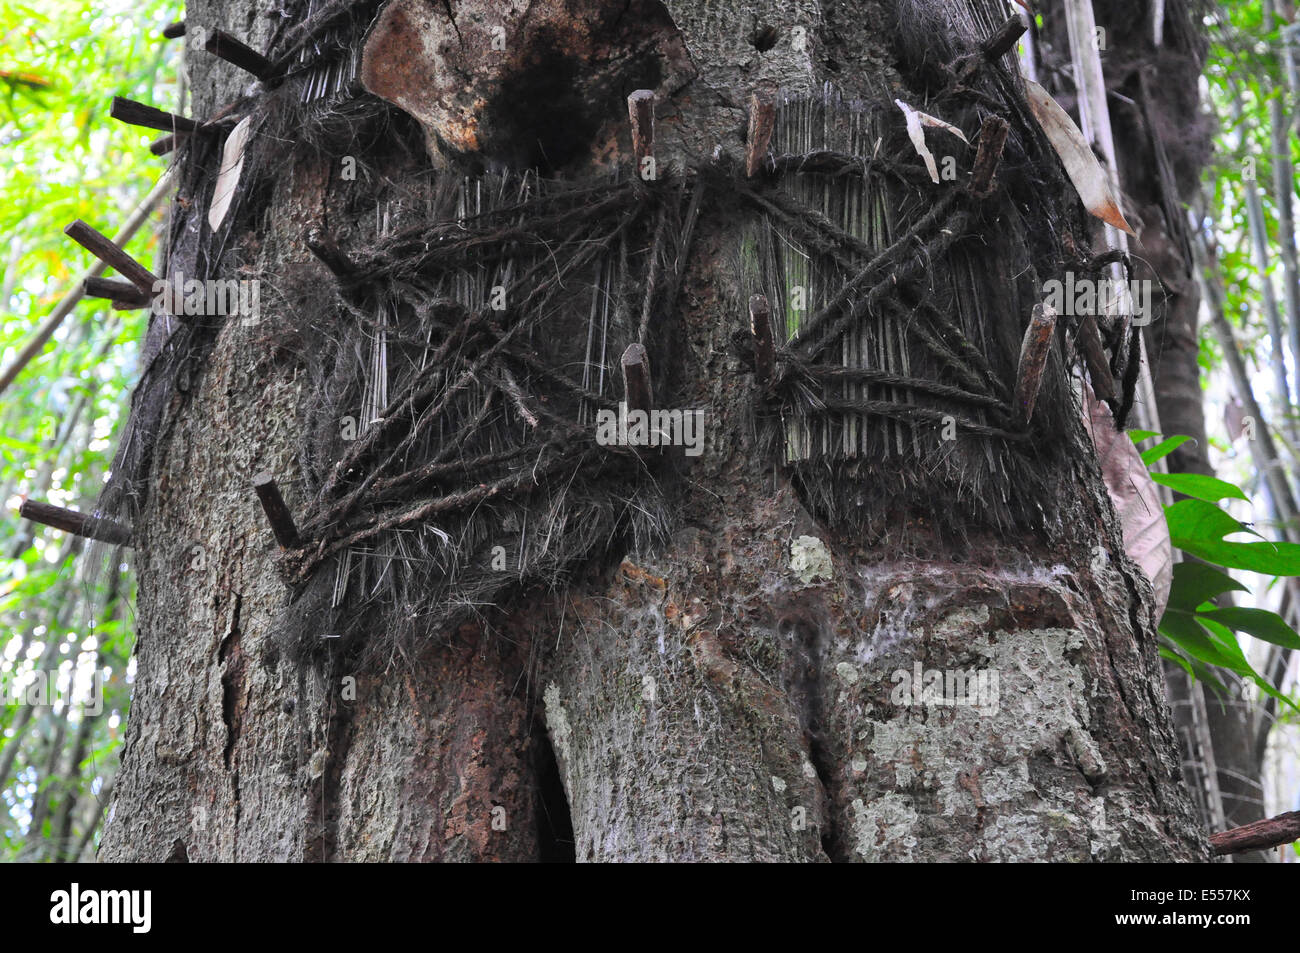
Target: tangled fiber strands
[[474, 351], [896, 357]]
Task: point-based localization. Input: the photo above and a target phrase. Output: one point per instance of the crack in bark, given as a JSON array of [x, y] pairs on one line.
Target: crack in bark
[[231, 656], [323, 846]]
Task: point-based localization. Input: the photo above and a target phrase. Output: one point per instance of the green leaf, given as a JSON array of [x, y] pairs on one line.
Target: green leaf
[[1260, 623], [1226, 642], [1185, 631], [1168, 653], [1194, 668], [1163, 449], [1198, 528], [1139, 435], [1195, 584], [1200, 487]]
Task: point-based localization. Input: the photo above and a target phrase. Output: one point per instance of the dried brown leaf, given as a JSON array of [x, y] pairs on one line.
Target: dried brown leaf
[[1081, 165], [1135, 496]]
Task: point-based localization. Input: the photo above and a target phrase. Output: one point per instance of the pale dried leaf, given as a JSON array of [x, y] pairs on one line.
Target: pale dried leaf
[[232, 165], [934, 122], [916, 121], [1234, 419], [1135, 496], [1081, 164]]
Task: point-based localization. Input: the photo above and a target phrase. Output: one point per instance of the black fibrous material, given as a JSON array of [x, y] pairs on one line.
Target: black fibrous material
[[896, 353], [451, 452]]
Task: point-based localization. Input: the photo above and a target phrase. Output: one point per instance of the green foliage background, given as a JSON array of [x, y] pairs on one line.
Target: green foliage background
[[62, 158]]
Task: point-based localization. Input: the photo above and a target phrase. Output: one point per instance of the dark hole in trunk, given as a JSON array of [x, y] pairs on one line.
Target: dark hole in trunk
[[554, 823]]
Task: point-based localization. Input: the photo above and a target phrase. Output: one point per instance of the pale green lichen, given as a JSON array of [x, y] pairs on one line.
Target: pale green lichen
[[1043, 702], [810, 559], [883, 832]]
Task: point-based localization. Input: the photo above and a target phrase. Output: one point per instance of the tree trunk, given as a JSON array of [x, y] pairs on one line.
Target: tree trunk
[[685, 657]]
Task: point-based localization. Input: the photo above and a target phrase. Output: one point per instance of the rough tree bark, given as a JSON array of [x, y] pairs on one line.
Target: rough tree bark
[[705, 699]]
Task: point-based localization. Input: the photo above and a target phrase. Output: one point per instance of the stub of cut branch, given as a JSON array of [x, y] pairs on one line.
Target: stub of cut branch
[[641, 112], [762, 120], [102, 247], [1034, 350], [1259, 835], [138, 114], [760, 324], [225, 46], [78, 524], [174, 30], [277, 512], [638, 392]]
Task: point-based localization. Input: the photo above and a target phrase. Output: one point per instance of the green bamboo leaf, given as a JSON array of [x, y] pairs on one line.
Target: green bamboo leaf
[[1195, 584], [1163, 449], [1201, 487], [1260, 623]]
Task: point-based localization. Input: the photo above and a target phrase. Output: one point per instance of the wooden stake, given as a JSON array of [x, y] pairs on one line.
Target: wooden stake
[[762, 120], [322, 245], [760, 323], [174, 30], [78, 524], [1258, 835], [1008, 35], [286, 534], [36, 343], [638, 393], [165, 144], [992, 139], [231, 50], [992, 49], [121, 293], [138, 114], [103, 248], [641, 110], [1034, 349]]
